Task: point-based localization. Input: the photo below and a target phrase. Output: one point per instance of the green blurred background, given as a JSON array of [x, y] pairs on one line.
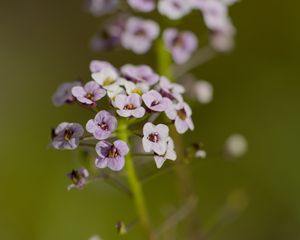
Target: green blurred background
[[44, 43]]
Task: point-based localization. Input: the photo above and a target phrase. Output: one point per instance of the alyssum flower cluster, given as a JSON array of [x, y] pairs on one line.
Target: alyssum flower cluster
[[136, 111], [134, 92]]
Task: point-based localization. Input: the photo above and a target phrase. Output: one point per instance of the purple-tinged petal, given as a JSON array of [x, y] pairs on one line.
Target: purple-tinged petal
[[100, 134], [134, 99], [180, 44], [124, 113], [122, 147], [142, 5], [63, 94], [181, 126], [98, 66], [101, 162], [116, 164], [152, 98], [139, 34], [99, 93], [139, 112], [91, 126], [91, 86], [102, 148], [67, 136], [171, 112], [78, 178], [120, 101], [78, 91], [190, 123], [102, 125]]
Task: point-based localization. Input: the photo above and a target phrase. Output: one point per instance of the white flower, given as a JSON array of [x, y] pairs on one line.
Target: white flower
[[222, 40], [215, 14], [181, 115], [200, 154], [132, 87], [109, 79], [139, 34], [236, 146], [95, 237], [174, 9], [114, 90], [97, 66], [203, 91], [170, 154], [106, 77], [155, 138]]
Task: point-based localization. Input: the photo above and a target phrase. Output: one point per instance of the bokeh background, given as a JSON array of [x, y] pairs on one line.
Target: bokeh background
[[44, 43]]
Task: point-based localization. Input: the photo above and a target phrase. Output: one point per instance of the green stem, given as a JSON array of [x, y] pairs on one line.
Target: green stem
[[135, 184], [164, 59]]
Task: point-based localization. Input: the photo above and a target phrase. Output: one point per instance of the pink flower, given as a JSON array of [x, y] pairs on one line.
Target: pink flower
[[102, 126], [139, 34], [89, 94], [181, 115], [180, 44], [111, 155], [129, 105], [155, 102]]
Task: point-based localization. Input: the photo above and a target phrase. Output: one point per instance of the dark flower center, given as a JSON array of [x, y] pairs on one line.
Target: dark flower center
[[176, 5], [113, 152], [178, 41], [154, 103], [166, 94], [182, 114], [140, 33], [153, 137], [129, 107], [90, 96], [68, 134], [103, 126], [74, 176]]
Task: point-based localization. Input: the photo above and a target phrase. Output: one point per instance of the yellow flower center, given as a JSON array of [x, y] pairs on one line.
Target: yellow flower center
[[113, 152], [68, 134], [137, 91], [108, 81]]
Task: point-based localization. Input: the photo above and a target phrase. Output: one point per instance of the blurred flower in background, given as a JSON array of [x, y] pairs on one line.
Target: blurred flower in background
[[95, 237], [101, 7], [235, 146]]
